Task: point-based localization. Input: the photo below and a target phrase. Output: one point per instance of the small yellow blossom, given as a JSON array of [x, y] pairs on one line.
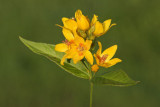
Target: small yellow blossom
[[104, 59], [79, 50], [100, 28], [82, 21]]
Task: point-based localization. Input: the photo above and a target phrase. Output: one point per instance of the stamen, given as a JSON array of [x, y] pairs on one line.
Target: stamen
[[102, 59], [81, 47], [80, 54], [67, 42]]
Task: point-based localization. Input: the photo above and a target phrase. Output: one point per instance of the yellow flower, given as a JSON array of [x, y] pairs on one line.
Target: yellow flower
[[69, 32], [104, 59], [100, 28], [79, 50], [82, 21]]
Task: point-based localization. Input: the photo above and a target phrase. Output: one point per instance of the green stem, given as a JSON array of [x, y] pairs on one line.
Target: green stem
[[91, 92]]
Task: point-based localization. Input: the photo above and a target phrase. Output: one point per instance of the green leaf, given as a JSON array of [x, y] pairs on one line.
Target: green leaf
[[114, 78], [48, 51]]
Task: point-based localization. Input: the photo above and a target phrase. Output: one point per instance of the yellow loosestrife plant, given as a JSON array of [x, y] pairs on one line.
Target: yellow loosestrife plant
[[80, 38]]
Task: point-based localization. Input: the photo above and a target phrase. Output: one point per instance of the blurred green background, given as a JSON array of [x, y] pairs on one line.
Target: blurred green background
[[30, 80]]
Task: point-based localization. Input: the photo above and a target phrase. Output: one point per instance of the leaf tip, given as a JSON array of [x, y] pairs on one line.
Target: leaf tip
[[21, 39]]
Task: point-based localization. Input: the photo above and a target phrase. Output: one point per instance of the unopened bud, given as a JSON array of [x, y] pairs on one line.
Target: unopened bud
[[90, 33], [82, 33], [95, 68]]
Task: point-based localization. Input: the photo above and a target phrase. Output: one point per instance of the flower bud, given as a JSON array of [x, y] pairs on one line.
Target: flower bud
[[90, 33], [69, 23], [82, 33], [95, 68], [98, 29], [82, 20]]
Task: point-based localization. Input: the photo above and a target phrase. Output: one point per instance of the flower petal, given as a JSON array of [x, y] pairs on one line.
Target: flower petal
[[100, 49], [69, 54], [62, 47], [82, 20], [64, 19], [69, 23], [78, 13], [98, 29], [75, 33], [110, 52], [94, 20], [77, 57], [113, 25], [106, 24], [63, 59], [59, 26], [68, 34], [112, 62], [78, 40], [97, 60], [88, 44], [89, 57]]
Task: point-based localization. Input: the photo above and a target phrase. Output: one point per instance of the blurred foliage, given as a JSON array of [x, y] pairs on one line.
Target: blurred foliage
[[29, 80]]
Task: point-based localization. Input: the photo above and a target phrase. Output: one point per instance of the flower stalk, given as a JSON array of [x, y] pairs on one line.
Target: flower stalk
[[91, 93]]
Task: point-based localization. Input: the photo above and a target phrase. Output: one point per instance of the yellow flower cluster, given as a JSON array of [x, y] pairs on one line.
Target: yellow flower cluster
[[79, 33]]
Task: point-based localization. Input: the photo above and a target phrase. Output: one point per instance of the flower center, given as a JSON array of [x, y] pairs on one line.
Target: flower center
[[81, 48], [102, 59]]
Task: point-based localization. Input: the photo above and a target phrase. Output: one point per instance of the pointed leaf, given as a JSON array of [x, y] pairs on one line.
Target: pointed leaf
[[114, 78], [48, 51]]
